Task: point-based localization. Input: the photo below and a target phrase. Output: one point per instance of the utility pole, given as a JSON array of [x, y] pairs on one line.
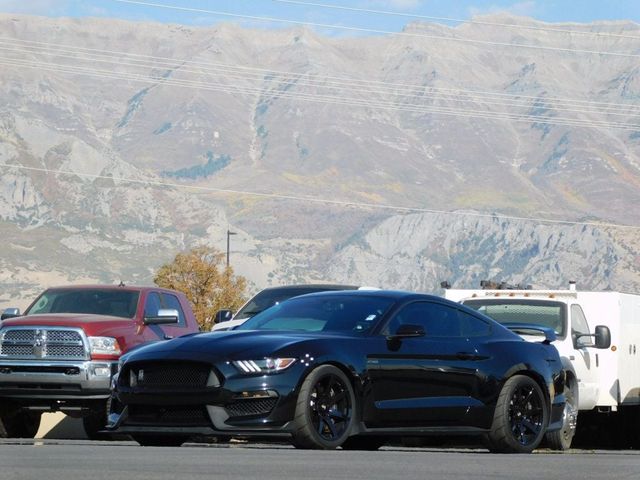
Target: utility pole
[[229, 233]]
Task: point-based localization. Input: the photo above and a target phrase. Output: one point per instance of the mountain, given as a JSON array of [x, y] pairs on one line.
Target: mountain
[[395, 161]]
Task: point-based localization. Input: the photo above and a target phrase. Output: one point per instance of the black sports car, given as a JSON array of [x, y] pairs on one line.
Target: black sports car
[[348, 369]]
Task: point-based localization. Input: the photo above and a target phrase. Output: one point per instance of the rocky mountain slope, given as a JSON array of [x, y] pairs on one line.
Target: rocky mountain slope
[[123, 143]]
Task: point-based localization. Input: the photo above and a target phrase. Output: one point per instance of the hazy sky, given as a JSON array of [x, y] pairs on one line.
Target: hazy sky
[[367, 14]]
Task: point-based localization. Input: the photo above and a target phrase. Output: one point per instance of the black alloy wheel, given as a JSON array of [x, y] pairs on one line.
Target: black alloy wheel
[[324, 410], [520, 419]]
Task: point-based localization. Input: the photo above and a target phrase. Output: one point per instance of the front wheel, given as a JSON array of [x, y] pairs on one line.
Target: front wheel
[[19, 423], [561, 440], [325, 410], [96, 421], [520, 418]]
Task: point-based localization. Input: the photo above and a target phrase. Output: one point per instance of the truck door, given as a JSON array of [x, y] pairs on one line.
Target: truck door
[[584, 359]]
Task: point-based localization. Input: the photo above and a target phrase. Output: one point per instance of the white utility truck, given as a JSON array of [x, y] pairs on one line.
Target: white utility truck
[[598, 338]]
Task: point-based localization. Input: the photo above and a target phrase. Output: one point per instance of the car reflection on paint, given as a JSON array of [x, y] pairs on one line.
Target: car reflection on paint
[[346, 369]]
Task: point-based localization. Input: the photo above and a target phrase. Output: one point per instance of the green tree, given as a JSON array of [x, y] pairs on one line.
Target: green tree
[[201, 274]]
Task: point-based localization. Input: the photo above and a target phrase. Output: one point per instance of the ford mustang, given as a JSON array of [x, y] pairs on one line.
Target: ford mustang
[[346, 369]]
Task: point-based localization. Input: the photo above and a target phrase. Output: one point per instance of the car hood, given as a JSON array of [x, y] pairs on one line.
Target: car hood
[[235, 344]]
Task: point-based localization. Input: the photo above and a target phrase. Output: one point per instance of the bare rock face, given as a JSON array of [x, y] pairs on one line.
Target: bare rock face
[[124, 143]]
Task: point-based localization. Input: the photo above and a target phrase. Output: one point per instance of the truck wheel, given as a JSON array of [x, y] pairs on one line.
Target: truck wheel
[[96, 421], [520, 418], [159, 440], [20, 424], [324, 410], [561, 440]]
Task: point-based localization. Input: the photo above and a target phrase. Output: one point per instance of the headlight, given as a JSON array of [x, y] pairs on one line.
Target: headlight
[[266, 365], [104, 346]]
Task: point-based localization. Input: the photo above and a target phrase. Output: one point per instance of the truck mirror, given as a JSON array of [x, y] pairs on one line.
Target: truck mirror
[[10, 313], [165, 316], [602, 337], [223, 316]]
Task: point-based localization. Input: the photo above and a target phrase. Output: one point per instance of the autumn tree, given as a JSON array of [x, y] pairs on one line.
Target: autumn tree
[[201, 274]]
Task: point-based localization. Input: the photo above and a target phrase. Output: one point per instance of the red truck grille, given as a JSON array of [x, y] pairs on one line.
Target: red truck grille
[[42, 343]]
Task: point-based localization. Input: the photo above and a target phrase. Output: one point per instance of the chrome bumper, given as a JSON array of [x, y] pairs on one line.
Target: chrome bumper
[[60, 380]]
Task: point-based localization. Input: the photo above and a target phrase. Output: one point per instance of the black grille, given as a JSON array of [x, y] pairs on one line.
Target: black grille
[[167, 416], [252, 406], [170, 375]]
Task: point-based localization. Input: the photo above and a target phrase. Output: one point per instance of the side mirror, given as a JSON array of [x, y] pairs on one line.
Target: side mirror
[[602, 337], [222, 316], [408, 331], [164, 317], [10, 313]]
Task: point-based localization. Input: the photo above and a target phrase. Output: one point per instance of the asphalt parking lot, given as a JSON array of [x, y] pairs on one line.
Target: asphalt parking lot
[[77, 459]]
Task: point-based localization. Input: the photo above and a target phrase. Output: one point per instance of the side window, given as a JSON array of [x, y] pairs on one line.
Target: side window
[[436, 319], [579, 326], [471, 326], [152, 305], [171, 301]]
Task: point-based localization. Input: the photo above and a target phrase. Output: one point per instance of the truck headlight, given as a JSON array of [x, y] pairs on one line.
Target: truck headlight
[[104, 346]]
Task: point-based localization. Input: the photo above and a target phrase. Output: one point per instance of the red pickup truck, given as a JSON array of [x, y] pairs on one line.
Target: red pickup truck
[[61, 354]]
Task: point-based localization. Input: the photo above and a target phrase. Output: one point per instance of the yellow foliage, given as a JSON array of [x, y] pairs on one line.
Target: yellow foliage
[[201, 274]]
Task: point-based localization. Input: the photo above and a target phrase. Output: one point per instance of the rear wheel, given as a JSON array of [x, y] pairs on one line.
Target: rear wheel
[[520, 418], [561, 440], [324, 410], [159, 440]]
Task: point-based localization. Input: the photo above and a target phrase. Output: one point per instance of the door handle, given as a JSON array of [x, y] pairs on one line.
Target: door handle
[[168, 337]]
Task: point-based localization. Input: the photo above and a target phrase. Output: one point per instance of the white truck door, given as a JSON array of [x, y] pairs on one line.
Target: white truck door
[[584, 359]]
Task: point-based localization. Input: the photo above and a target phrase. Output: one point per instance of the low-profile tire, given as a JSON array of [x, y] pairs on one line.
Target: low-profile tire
[[364, 442], [325, 410], [159, 440], [561, 440], [19, 423], [520, 418]]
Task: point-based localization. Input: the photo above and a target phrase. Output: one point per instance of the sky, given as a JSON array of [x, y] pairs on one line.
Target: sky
[[382, 15]]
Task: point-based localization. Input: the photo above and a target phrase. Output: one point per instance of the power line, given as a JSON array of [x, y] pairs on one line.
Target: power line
[[357, 83], [382, 32], [365, 102], [304, 80], [341, 203], [457, 20]]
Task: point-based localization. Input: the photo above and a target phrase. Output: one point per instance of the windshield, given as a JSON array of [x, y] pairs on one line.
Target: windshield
[[268, 298], [117, 303], [338, 313], [536, 312]]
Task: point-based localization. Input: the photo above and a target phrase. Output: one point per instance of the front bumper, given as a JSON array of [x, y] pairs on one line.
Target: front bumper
[[56, 380], [244, 405]]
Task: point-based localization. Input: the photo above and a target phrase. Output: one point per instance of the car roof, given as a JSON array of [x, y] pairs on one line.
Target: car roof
[[137, 288], [391, 294], [312, 286]]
